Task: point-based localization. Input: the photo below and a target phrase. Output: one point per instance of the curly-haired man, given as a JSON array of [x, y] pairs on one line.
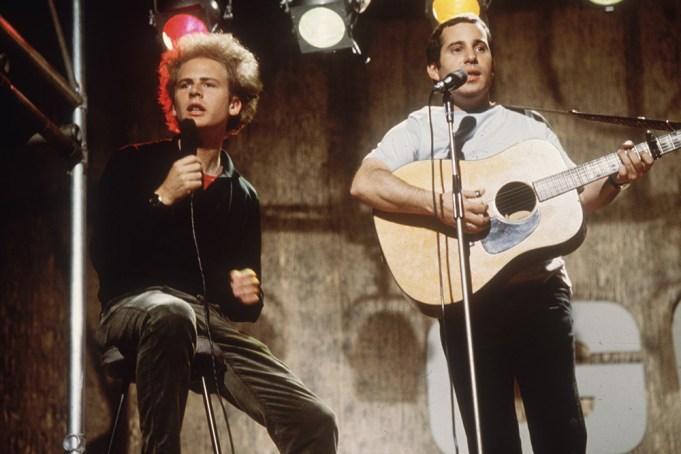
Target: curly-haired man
[[176, 244]]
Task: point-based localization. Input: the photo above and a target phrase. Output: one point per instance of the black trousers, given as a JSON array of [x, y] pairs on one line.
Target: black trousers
[[521, 334], [161, 325]]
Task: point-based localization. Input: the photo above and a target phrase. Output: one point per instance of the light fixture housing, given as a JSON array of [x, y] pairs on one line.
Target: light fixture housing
[[325, 25], [176, 18], [607, 5], [605, 2]]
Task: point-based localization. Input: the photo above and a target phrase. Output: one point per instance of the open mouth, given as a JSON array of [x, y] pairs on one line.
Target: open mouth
[[195, 108]]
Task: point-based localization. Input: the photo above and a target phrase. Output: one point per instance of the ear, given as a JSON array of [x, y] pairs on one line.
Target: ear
[[173, 111], [433, 72], [235, 106]]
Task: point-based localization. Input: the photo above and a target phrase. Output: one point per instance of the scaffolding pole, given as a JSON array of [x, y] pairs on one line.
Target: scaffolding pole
[[71, 142], [75, 437]]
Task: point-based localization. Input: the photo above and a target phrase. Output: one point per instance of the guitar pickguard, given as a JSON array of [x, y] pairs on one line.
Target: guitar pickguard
[[503, 236]]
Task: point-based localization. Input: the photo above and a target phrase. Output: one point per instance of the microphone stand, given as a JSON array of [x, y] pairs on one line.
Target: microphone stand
[[464, 259]]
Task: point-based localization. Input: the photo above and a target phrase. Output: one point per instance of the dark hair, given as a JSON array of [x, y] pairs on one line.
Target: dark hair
[[242, 70], [435, 41]]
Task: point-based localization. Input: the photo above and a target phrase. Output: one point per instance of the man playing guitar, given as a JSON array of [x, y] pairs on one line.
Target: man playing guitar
[[522, 323]]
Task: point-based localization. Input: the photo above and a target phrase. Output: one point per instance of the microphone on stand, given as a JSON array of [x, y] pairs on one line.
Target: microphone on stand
[[189, 138], [451, 82]]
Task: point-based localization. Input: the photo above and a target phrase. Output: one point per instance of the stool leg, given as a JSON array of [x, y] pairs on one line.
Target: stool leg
[[121, 402], [211, 419]]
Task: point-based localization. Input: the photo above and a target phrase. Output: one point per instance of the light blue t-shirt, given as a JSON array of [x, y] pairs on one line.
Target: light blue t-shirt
[[481, 135]]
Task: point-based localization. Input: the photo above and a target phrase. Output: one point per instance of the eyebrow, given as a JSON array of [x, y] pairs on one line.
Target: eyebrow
[[201, 79], [461, 42]]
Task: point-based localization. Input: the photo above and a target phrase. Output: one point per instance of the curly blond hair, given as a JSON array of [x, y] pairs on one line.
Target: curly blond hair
[[242, 70]]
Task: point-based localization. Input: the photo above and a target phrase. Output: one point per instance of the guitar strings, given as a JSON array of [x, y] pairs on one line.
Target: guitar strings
[[514, 199]]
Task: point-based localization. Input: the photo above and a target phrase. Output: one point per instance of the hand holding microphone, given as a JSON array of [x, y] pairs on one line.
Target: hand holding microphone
[[186, 174]]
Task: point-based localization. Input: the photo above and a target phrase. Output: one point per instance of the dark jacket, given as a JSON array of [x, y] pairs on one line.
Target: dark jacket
[[136, 245]]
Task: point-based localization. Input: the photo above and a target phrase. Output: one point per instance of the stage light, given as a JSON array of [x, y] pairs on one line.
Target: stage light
[[446, 9], [606, 3], [180, 25], [325, 25], [176, 18]]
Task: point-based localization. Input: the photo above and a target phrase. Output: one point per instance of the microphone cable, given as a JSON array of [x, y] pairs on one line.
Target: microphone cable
[[188, 145], [206, 310], [440, 271]]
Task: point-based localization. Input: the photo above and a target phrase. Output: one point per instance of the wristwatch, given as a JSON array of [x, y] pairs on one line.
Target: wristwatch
[[155, 200]]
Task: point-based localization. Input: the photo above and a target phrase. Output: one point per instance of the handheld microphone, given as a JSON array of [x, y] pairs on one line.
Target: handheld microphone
[[189, 138], [451, 82]]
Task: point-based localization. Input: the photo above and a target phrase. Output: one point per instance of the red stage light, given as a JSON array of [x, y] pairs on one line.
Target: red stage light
[[180, 25]]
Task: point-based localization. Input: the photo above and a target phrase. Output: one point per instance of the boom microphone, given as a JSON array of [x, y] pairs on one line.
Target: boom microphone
[[451, 82], [189, 138]]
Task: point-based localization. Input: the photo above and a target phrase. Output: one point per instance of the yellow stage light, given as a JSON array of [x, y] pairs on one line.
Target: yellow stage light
[[446, 9]]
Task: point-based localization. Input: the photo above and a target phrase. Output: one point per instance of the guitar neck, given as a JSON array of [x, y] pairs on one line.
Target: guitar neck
[[583, 174]]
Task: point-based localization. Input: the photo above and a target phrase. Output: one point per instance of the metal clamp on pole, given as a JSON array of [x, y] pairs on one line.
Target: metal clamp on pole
[[66, 139], [74, 443]]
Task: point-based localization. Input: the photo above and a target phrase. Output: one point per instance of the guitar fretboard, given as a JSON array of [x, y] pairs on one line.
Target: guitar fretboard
[[582, 174], [669, 142]]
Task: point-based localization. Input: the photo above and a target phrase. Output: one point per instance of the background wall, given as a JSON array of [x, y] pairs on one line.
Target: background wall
[[333, 312]]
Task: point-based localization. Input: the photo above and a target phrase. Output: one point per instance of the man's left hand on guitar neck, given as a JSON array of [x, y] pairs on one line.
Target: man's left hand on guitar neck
[[634, 165]]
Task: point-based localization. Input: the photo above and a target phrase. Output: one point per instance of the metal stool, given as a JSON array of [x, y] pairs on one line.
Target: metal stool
[[121, 366]]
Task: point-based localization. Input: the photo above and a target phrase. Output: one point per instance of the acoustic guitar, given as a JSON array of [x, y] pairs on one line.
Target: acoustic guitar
[[534, 209]]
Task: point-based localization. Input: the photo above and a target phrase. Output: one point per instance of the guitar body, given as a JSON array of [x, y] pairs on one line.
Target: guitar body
[[524, 230]]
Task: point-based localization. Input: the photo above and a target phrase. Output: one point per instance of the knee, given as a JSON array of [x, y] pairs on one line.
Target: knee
[[172, 319], [325, 420]]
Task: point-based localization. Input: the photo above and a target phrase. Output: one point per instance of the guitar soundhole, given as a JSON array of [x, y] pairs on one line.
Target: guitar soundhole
[[515, 201]]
